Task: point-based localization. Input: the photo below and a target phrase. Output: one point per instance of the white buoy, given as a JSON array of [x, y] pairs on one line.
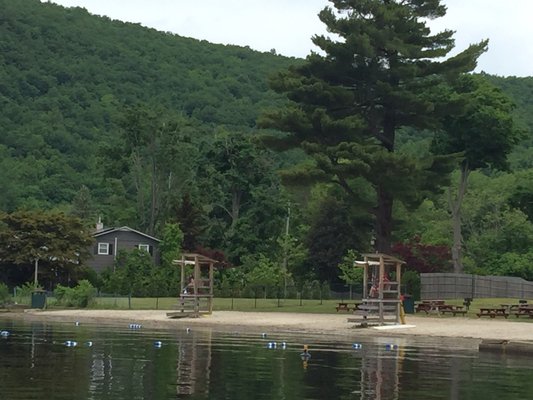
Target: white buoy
[[89, 344], [77, 323], [357, 346], [71, 343], [188, 330], [263, 335], [158, 343], [4, 333], [283, 345]]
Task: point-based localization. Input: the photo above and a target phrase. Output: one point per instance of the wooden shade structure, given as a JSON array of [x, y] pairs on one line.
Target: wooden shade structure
[[382, 275], [196, 295]]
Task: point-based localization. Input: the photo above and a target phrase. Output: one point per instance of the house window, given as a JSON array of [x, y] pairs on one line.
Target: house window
[[144, 247], [103, 248]]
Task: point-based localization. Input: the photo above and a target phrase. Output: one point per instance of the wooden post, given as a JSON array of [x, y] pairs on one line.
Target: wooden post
[[182, 284], [211, 279], [195, 285], [381, 286], [365, 278]]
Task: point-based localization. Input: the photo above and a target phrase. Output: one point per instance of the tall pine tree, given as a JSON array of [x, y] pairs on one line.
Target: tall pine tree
[[382, 70]]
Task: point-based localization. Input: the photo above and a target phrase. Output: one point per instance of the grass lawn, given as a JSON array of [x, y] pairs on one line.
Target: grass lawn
[[274, 305], [223, 304]]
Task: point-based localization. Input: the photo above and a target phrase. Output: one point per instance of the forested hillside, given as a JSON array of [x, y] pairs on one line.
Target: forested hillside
[[66, 78], [520, 90], [143, 128]]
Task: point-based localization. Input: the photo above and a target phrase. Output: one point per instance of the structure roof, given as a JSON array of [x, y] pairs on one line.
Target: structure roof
[[386, 258], [190, 257], [106, 231]]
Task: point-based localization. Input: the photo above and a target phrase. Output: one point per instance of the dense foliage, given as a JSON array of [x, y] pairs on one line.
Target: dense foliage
[[56, 242], [79, 296], [385, 70], [156, 131]]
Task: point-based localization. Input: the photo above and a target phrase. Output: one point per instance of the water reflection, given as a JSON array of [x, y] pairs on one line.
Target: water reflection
[[125, 364]]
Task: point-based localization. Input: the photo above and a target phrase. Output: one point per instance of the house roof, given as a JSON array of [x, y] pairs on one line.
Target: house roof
[[106, 231]]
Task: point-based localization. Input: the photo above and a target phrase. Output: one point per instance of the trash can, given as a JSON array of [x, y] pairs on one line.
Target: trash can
[[38, 299], [408, 304]]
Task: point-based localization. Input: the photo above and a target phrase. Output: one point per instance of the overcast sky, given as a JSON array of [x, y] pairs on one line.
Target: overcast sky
[[288, 25]]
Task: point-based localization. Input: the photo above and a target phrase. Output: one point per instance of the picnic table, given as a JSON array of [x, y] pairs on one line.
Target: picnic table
[[450, 309], [346, 307], [429, 305], [522, 310], [493, 312]]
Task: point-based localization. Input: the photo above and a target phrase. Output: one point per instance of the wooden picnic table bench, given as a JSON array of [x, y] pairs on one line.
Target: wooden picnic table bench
[[429, 305], [493, 312], [449, 309], [346, 307], [523, 311]]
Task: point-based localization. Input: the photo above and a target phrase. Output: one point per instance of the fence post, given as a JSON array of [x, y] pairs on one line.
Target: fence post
[[129, 301], [157, 303]]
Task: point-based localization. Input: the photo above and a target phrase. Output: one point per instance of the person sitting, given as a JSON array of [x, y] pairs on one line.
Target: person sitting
[[190, 286]]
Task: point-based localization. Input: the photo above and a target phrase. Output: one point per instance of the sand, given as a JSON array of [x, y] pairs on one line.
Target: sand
[[328, 325]]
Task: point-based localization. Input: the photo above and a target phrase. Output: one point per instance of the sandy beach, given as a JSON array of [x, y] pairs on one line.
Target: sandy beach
[[331, 325]]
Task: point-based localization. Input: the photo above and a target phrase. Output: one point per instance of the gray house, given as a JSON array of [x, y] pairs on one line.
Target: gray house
[[109, 241]]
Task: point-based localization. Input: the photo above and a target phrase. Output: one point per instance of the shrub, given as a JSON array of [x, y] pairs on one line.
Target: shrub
[[4, 294], [326, 291], [79, 296], [23, 293], [411, 283]]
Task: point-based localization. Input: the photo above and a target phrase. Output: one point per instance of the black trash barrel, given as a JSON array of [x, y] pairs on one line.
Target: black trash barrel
[[408, 304], [38, 299]]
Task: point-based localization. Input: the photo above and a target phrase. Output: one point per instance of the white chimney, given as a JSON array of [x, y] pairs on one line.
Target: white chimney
[[99, 224]]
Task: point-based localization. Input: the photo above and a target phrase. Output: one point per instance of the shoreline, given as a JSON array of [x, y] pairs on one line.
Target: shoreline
[[468, 330]]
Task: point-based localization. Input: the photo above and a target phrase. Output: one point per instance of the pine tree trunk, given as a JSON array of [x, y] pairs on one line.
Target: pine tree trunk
[[383, 221], [384, 199]]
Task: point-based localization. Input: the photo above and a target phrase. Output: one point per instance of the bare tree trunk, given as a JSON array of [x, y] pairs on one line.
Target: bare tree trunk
[[385, 199], [138, 181], [235, 206], [455, 209], [154, 204]]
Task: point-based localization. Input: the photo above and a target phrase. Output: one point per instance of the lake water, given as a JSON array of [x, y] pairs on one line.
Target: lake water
[[129, 362]]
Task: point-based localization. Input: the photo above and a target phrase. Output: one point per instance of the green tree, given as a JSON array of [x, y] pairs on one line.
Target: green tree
[[56, 241], [484, 133], [171, 243], [264, 272], [160, 158], [348, 272], [242, 193], [191, 219], [133, 274], [83, 205], [334, 229], [384, 70]]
